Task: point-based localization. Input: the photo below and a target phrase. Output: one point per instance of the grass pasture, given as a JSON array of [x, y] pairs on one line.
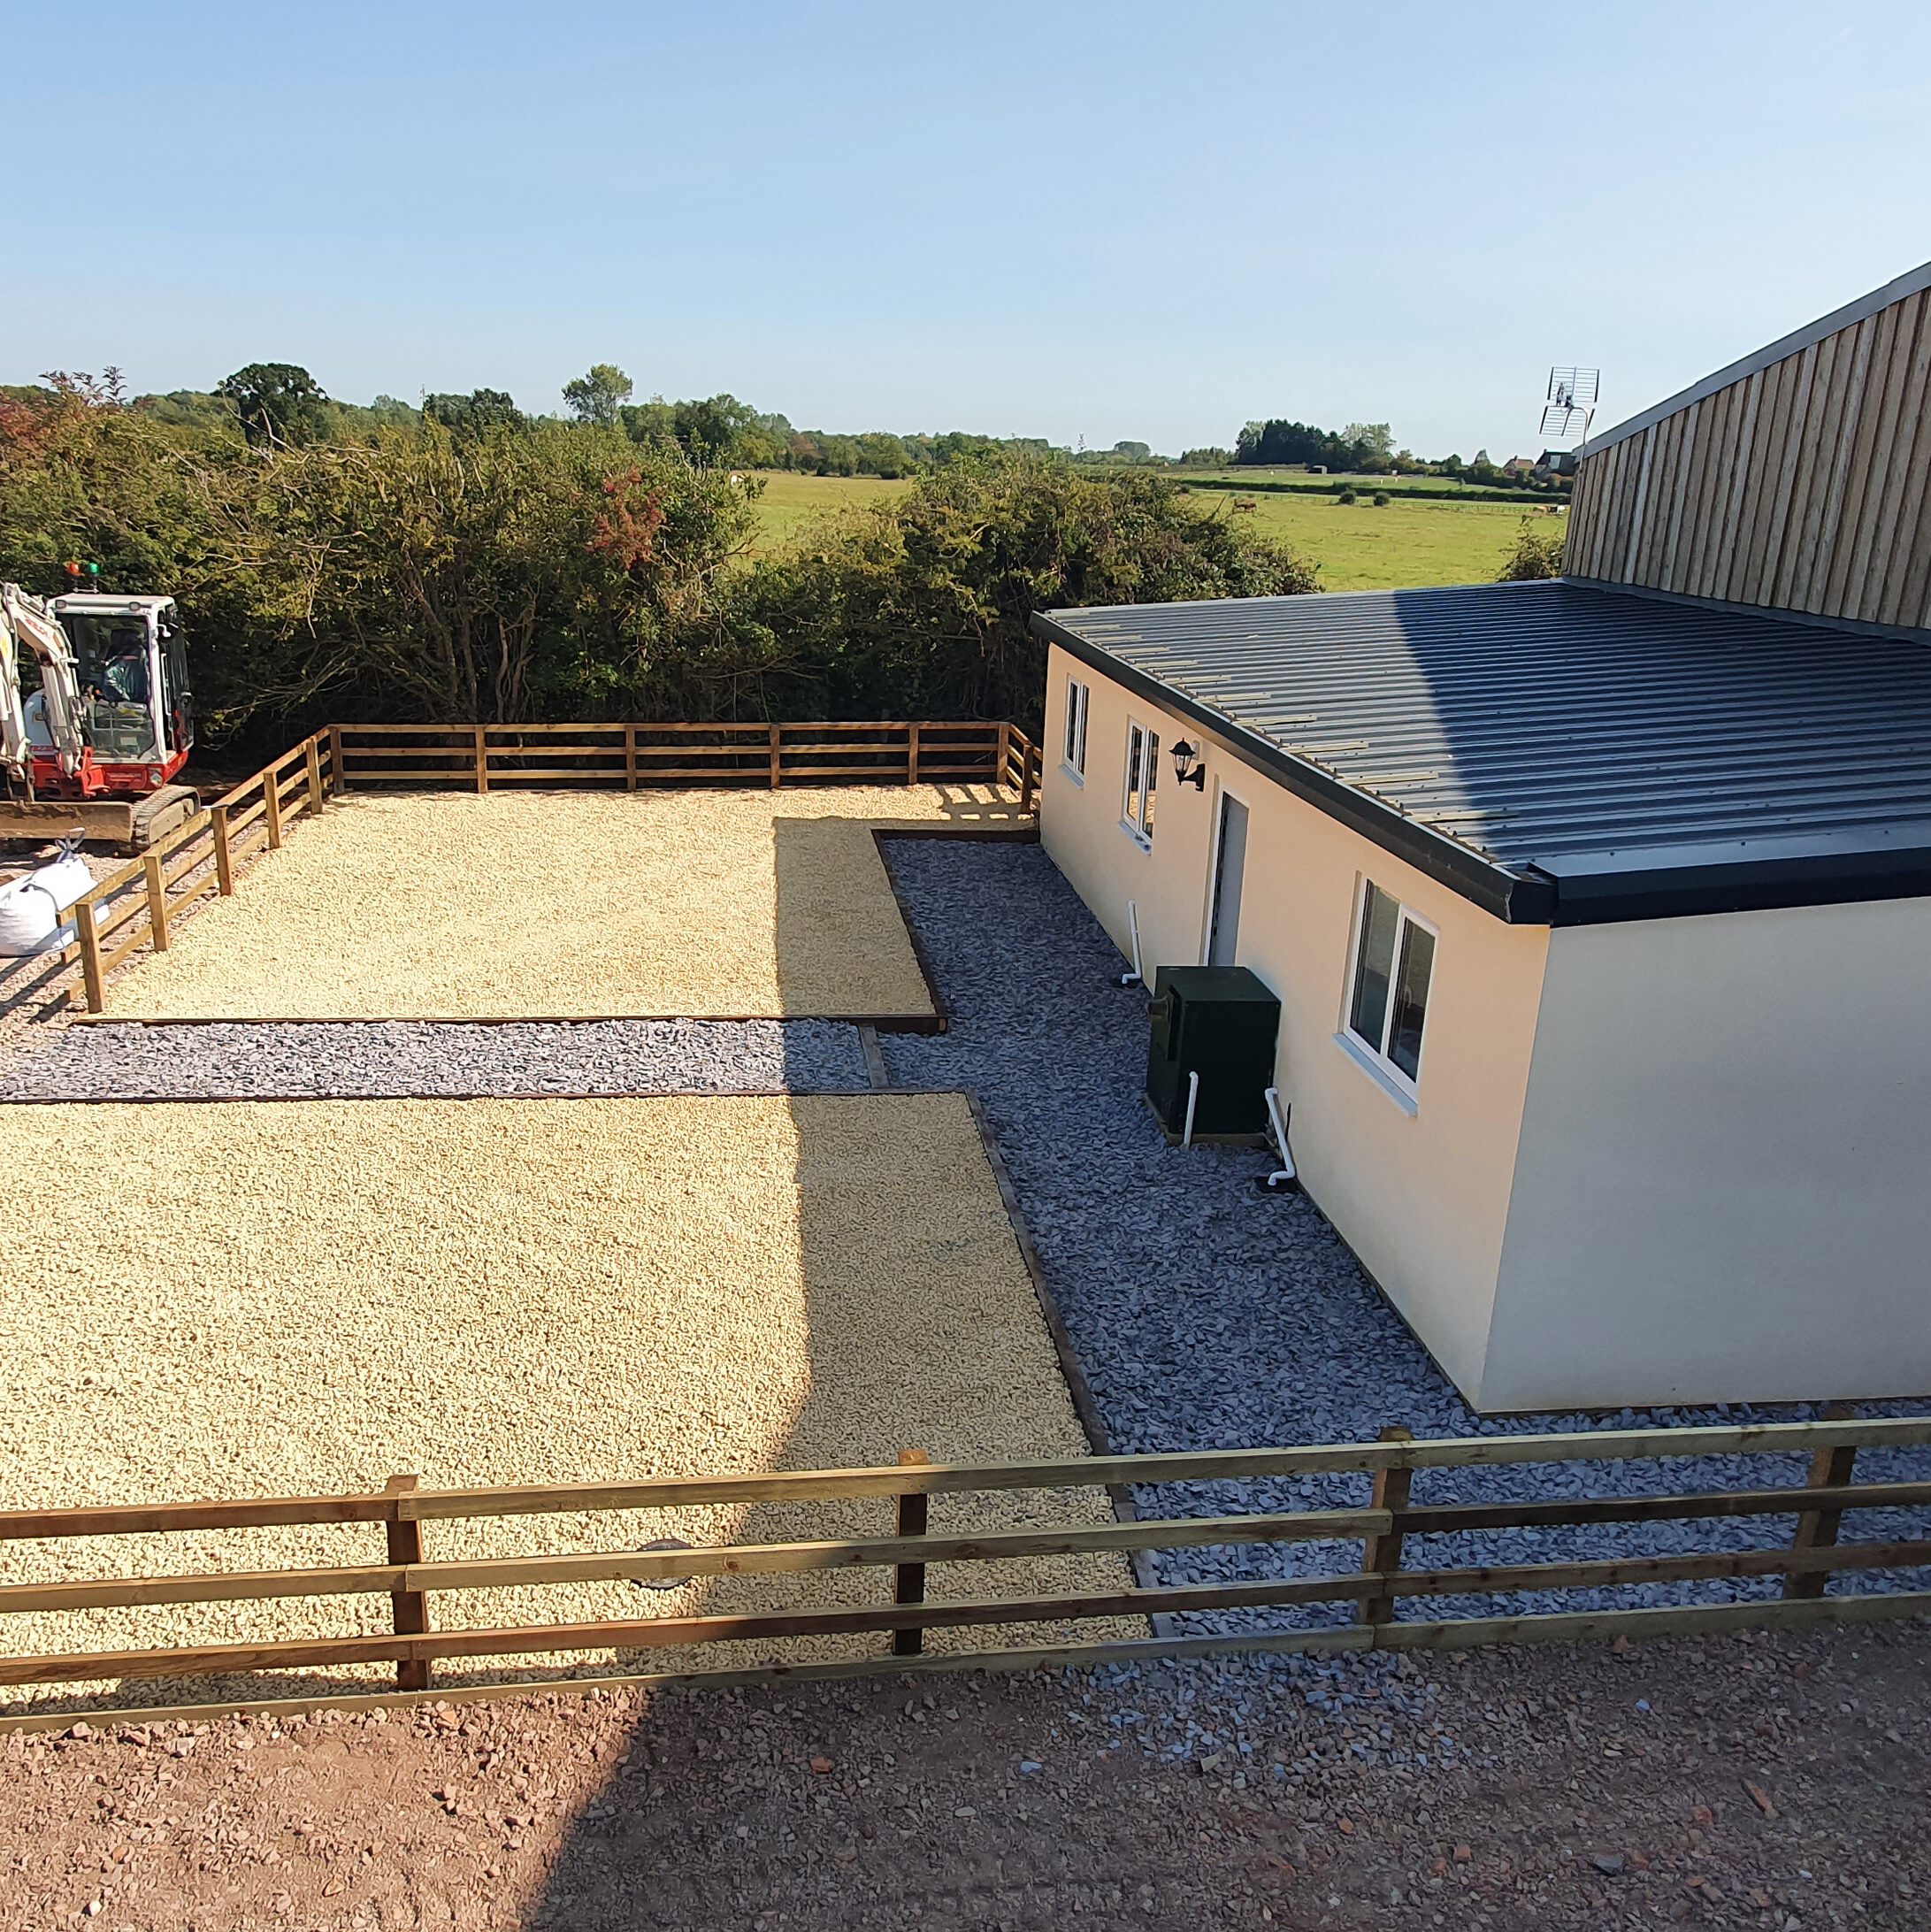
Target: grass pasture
[[1402, 546], [793, 501], [1412, 542]]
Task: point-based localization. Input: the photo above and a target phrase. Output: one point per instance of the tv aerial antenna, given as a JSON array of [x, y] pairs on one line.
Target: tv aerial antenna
[[1570, 406]]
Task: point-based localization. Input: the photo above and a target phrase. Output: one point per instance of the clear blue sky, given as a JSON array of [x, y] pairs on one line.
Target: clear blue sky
[[1107, 220]]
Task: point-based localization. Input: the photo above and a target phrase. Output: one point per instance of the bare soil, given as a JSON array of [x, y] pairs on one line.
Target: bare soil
[[1771, 1781]]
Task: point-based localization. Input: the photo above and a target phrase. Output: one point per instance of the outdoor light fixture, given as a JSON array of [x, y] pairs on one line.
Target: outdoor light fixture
[[1187, 766]]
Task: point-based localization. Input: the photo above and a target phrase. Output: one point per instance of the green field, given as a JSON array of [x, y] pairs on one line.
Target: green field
[[793, 500], [1404, 544], [1400, 547]]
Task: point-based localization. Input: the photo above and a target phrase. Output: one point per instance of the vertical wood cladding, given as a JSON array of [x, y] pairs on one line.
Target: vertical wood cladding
[[1802, 486]]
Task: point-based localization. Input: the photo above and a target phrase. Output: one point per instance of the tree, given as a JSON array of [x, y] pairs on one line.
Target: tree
[[1375, 441], [479, 410], [596, 396], [277, 402]]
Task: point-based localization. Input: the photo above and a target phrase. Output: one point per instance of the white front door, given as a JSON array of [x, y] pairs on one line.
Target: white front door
[[1229, 863]]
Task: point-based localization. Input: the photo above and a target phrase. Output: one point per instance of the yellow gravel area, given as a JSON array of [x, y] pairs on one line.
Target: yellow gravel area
[[306, 1297], [564, 905]]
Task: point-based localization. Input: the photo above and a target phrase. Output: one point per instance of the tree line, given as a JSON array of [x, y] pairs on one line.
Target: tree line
[[1368, 449], [463, 560]]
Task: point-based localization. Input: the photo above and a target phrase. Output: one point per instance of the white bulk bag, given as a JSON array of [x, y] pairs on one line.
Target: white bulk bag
[[30, 908]]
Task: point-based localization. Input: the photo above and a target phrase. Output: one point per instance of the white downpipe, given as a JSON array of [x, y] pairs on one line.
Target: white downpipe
[[1193, 1095], [1284, 1173], [1136, 978]]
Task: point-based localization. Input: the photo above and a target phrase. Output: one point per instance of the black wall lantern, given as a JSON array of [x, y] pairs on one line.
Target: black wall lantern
[[1187, 765]]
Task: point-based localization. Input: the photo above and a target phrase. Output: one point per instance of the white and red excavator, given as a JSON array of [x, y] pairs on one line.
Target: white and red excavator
[[98, 745]]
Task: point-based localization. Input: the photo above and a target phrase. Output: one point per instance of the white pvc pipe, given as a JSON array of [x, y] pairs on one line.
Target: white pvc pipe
[[1285, 1171], [1136, 978], [1193, 1095]]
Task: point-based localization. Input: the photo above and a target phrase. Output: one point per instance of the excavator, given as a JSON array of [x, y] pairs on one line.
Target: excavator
[[99, 745]]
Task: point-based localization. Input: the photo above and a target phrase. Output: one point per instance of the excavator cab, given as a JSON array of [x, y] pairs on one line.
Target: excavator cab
[[112, 722], [131, 664]]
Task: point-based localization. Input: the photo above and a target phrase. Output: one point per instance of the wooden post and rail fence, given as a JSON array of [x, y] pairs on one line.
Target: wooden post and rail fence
[[138, 904], [903, 1612]]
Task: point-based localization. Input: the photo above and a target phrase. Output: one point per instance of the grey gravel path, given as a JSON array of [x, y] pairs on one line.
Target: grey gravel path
[[1210, 1315], [429, 1059]]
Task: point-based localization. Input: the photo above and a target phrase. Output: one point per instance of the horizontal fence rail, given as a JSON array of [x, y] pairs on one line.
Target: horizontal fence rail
[[630, 757], [1805, 1560], [136, 905]]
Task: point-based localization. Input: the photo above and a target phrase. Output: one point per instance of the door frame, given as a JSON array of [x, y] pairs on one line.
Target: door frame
[[1223, 791]]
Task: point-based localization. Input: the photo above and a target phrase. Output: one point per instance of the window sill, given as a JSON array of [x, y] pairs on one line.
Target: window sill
[[1379, 1074], [1138, 837], [1073, 774]]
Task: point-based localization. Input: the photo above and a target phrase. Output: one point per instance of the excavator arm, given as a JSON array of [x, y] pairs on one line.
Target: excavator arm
[[27, 620]]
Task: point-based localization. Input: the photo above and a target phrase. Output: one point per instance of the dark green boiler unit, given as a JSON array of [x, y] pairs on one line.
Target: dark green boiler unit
[[1220, 1023]]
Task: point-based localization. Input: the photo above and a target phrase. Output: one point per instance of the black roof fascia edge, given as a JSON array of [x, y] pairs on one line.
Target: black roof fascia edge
[[1589, 890], [1510, 896]]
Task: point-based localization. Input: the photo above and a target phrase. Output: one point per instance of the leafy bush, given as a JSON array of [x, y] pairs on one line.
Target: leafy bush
[[1381, 499], [1537, 553], [505, 568], [1347, 497], [921, 606]]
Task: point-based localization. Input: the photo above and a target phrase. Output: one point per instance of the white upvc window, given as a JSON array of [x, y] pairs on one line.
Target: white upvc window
[[1078, 701], [1142, 774], [1388, 989]]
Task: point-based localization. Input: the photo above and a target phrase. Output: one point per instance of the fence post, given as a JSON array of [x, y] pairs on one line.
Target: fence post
[[482, 758], [911, 754], [777, 775], [90, 941], [272, 806], [1002, 759], [314, 754], [630, 757], [410, 1606], [1383, 1554], [1817, 1528], [908, 1579], [1026, 776], [218, 817], [338, 777], [157, 899]]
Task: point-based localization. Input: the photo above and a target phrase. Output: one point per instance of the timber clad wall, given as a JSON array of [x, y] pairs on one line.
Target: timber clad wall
[[1801, 486]]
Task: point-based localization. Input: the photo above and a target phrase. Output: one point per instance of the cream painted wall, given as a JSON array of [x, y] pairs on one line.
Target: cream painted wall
[[1422, 1196], [1724, 1186]]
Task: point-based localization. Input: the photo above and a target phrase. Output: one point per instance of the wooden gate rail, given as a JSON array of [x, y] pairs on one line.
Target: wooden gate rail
[[137, 905], [486, 757], [1375, 1588]]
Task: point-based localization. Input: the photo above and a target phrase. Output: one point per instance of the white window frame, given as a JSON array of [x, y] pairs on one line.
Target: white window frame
[[1141, 783], [1079, 699], [1372, 1056]]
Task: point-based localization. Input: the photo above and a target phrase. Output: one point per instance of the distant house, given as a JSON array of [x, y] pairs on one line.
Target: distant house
[[1554, 463], [1519, 466], [1599, 909]]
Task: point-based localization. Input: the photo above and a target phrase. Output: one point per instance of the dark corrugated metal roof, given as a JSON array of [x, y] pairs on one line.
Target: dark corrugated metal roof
[[1533, 742]]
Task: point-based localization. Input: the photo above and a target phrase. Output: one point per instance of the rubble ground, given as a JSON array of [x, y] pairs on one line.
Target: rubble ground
[[1759, 1781]]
